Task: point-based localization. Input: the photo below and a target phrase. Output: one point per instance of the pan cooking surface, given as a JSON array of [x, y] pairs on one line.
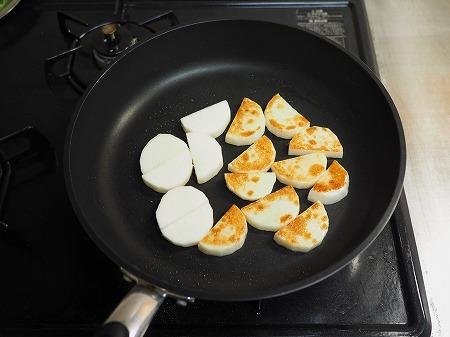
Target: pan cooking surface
[[150, 89]]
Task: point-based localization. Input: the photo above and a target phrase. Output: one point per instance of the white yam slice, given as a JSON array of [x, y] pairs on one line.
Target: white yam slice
[[211, 120], [178, 202], [206, 155], [172, 173], [190, 229], [160, 149], [184, 216]]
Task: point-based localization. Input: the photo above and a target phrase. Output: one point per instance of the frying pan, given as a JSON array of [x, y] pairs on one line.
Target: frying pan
[[179, 71]]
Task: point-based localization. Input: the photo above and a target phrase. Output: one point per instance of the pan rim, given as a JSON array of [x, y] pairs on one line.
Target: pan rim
[[258, 293]]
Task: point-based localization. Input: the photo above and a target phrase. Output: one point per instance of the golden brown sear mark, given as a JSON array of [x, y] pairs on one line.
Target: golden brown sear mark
[[337, 178]]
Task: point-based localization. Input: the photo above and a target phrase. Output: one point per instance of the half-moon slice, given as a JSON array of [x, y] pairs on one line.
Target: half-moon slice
[[250, 186], [301, 172], [248, 124], [274, 210], [306, 231], [316, 139], [227, 236], [332, 185], [282, 119], [259, 157]]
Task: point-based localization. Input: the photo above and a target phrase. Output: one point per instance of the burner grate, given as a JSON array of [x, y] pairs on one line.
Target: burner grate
[[100, 44]]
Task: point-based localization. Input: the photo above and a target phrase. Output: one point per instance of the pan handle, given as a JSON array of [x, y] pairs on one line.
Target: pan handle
[[133, 315]]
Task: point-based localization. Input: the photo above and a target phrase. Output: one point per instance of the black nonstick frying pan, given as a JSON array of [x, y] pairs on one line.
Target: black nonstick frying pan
[[177, 72]]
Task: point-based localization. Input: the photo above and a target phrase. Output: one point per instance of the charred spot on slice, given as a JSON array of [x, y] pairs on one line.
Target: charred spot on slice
[[247, 133], [316, 170], [275, 124], [285, 218]]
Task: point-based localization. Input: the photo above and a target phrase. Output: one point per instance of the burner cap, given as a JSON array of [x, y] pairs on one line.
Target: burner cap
[[109, 41]]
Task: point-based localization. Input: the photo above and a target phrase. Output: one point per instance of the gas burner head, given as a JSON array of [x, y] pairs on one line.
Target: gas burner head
[[109, 41]]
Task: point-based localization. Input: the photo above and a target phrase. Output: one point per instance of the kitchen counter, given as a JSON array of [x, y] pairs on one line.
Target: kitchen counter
[[412, 45]]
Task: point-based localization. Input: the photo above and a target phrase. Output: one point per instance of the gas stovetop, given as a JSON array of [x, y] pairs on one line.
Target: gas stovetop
[[54, 279]]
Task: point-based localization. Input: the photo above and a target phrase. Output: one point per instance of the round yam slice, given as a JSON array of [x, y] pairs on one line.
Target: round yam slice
[[172, 173], [178, 202], [184, 216], [160, 149], [165, 163], [191, 228]]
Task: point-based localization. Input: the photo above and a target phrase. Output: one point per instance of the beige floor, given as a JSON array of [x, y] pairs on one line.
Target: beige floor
[[412, 44]]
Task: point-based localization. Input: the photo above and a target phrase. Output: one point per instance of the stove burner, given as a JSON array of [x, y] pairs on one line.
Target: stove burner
[[110, 41], [101, 43]]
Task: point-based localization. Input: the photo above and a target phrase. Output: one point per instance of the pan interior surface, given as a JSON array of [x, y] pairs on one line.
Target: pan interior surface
[[150, 89]]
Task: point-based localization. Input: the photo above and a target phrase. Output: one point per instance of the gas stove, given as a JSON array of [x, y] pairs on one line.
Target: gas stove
[[56, 282]]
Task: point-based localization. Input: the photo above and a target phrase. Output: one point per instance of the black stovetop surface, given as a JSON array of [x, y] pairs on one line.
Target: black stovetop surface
[[54, 280]]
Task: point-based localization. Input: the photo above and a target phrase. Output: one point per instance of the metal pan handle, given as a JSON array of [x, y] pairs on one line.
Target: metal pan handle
[[133, 315]]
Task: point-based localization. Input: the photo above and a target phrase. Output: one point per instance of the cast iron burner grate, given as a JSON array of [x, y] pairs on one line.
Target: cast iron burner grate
[[24, 155], [93, 47]]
